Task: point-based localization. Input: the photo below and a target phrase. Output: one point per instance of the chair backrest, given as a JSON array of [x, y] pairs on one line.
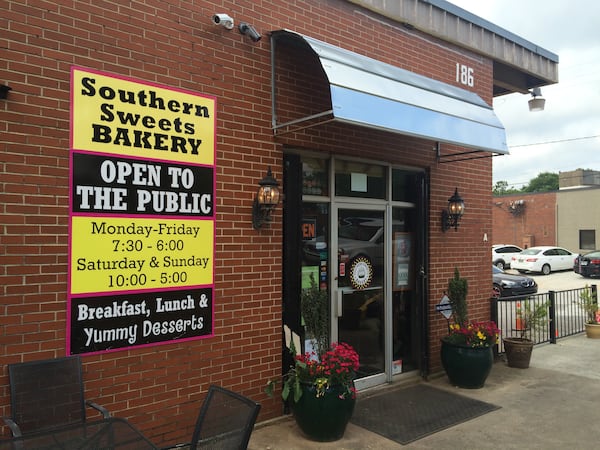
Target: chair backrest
[[46, 394], [225, 421]]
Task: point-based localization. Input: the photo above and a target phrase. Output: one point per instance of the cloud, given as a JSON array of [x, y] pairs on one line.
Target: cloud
[[560, 138]]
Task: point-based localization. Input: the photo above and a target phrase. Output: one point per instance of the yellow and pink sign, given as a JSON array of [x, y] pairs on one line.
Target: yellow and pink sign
[[118, 115], [142, 213]]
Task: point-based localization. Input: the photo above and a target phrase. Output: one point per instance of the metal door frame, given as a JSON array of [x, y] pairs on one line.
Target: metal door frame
[[336, 292]]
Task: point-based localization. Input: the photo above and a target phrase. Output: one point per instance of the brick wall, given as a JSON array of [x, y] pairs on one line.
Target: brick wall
[[525, 220], [174, 43]]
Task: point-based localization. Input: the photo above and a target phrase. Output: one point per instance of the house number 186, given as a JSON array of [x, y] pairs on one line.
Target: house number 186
[[464, 74]]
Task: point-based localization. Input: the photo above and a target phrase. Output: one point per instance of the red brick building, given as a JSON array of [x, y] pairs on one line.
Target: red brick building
[[134, 138], [562, 217], [525, 220]]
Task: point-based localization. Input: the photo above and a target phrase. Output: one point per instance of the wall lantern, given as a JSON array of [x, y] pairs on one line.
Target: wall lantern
[[4, 91], [451, 216], [265, 201], [536, 102]]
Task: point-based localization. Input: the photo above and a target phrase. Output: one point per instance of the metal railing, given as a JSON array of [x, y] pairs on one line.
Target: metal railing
[[566, 316]]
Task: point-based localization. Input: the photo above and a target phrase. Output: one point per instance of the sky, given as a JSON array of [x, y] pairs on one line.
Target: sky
[[566, 135]]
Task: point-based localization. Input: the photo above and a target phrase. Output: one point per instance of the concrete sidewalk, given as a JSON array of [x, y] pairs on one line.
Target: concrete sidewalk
[[555, 404]]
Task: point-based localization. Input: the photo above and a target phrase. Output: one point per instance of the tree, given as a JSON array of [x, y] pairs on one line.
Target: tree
[[544, 182], [501, 188]]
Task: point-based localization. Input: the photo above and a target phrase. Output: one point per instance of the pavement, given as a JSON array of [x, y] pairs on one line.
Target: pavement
[[558, 281], [554, 404]]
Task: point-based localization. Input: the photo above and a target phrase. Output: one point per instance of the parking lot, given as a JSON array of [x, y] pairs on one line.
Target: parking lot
[[559, 281]]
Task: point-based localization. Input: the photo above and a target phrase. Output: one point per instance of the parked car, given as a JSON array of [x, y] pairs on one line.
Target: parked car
[[361, 238], [357, 237], [502, 255], [543, 259], [508, 285], [588, 265]]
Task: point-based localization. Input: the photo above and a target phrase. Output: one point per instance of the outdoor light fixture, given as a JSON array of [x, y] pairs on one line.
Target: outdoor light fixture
[[4, 91], [265, 201], [536, 102], [248, 30], [451, 216]]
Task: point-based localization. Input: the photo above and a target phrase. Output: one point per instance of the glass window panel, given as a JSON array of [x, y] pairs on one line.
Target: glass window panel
[[314, 176], [404, 185], [587, 239], [355, 179]]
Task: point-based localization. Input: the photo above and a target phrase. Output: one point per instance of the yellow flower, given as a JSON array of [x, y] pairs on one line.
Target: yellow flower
[[321, 385]]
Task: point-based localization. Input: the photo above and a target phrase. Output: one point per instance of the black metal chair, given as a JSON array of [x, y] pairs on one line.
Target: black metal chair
[[225, 421], [47, 394]]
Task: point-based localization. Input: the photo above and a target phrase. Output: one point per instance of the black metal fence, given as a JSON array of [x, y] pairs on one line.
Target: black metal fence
[[566, 316]]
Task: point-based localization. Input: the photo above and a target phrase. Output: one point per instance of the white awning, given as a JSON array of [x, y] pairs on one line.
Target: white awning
[[370, 93]]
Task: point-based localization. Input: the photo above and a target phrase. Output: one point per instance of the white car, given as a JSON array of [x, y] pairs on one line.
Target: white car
[[543, 260], [502, 255]]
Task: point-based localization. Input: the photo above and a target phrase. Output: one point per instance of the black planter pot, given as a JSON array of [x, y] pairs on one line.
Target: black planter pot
[[518, 352], [323, 418], [466, 367]]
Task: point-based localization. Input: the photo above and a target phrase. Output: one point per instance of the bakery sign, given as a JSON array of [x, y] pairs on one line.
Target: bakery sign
[[142, 215]]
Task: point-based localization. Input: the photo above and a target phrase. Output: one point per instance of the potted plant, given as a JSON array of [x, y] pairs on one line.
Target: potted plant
[[458, 288], [467, 351], [530, 316], [314, 307], [588, 301], [320, 391]]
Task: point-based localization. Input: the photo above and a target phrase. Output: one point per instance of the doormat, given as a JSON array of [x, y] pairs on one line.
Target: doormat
[[408, 414]]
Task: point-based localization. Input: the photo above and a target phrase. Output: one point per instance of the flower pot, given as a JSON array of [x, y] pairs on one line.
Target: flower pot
[[518, 352], [592, 330], [323, 418], [466, 367]]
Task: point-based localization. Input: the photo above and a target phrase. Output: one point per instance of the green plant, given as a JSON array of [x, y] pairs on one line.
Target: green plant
[[314, 305], [474, 334], [531, 316], [457, 293], [463, 332], [336, 366], [588, 301]]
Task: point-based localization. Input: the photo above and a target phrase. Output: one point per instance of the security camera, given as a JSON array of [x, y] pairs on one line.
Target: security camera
[[224, 20], [250, 31]]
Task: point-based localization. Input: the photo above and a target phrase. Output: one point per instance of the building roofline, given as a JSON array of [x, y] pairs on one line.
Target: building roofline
[[493, 28], [519, 65]]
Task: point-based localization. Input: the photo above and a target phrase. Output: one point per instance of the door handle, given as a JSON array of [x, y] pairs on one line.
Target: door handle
[[340, 300]]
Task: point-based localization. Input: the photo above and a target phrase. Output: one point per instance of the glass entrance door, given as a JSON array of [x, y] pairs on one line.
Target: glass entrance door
[[362, 228], [360, 318]]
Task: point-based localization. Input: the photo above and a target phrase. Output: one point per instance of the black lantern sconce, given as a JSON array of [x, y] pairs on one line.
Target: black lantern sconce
[[265, 201], [451, 216], [4, 91]]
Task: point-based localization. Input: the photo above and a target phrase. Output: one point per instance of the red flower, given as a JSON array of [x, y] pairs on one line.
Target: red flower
[[336, 366], [474, 334]]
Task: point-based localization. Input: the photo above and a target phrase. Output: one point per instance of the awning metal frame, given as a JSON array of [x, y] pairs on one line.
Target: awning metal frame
[[369, 93], [461, 156]]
